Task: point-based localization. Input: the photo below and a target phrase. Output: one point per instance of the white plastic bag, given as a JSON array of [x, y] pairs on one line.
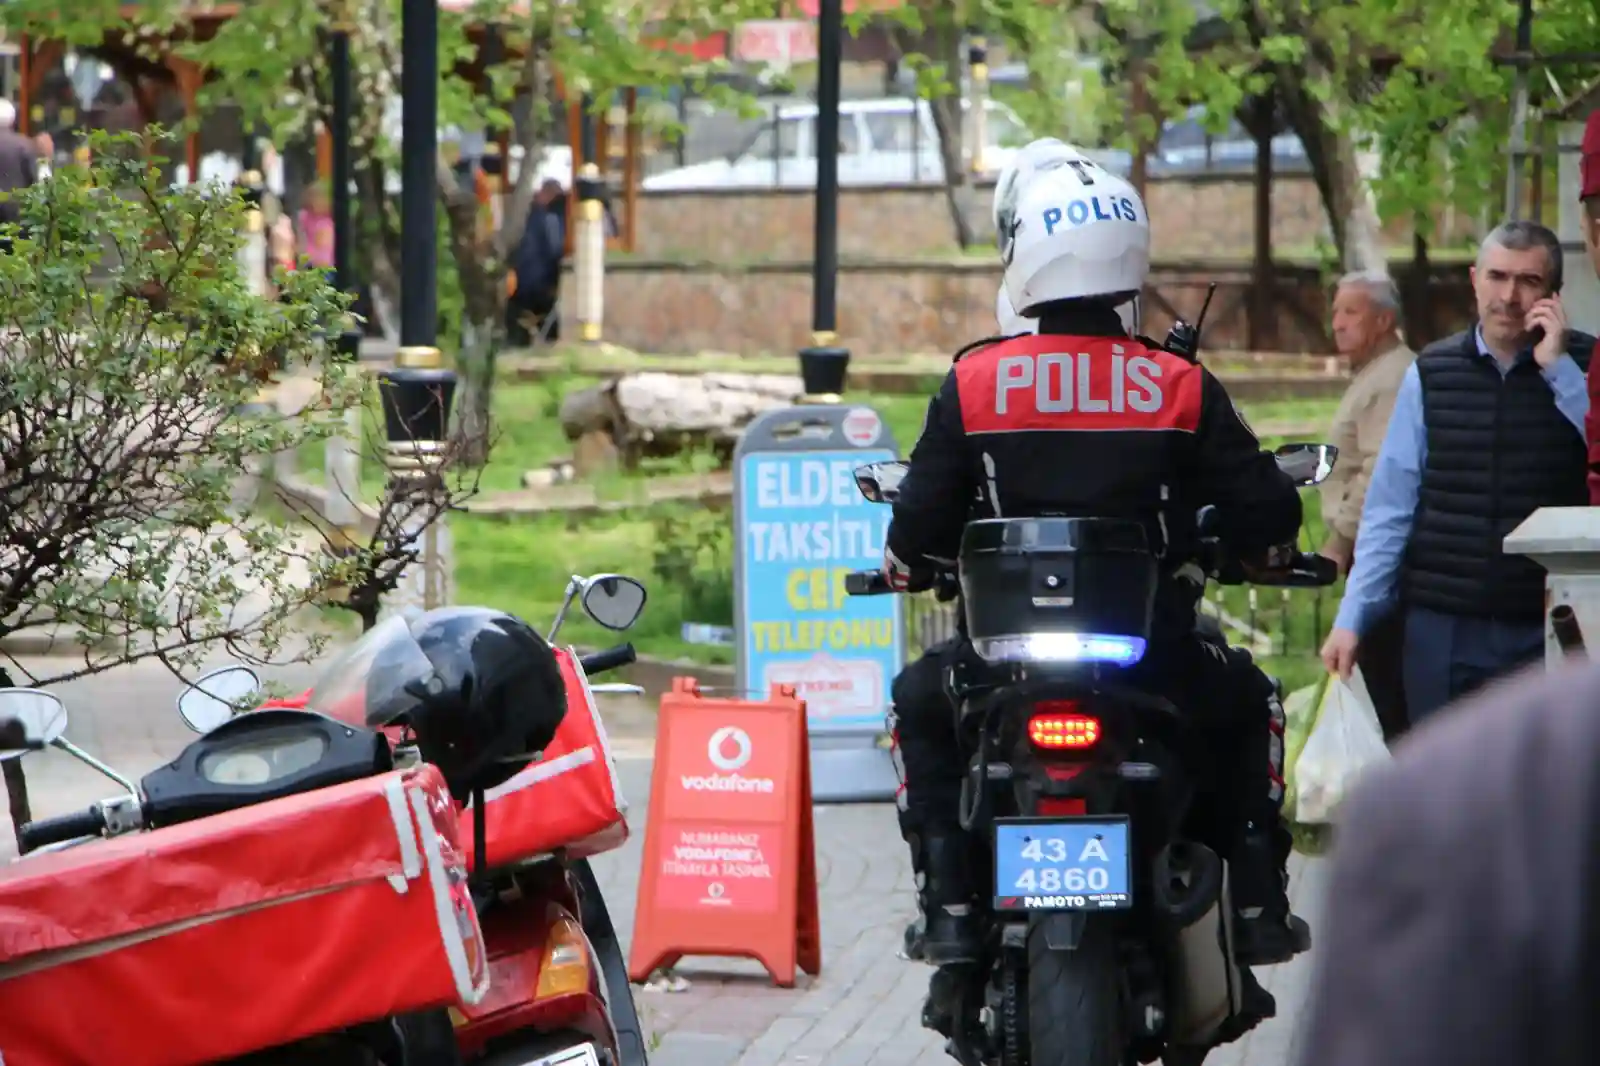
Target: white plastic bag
[[1345, 742]]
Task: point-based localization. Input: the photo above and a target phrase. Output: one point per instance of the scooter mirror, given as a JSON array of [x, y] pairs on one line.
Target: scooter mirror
[[880, 482], [213, 698], [1308, 464], [30, 719], [613, 600]]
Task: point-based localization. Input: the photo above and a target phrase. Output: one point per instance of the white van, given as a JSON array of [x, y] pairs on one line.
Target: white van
[[881, 142]]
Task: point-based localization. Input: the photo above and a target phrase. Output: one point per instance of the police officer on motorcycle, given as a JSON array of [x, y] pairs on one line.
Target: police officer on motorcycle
[[1010, 434]]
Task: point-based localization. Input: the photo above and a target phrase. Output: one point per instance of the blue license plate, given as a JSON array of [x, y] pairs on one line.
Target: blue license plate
[[1062, 864]]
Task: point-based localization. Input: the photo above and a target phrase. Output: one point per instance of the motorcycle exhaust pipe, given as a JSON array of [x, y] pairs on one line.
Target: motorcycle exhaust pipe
[[1568, 633]]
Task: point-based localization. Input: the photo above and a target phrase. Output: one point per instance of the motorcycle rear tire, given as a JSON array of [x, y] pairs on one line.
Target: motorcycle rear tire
[[1074, 1018]]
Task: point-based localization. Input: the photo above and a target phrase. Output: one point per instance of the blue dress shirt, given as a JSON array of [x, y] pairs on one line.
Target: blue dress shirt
[[1392, 495]]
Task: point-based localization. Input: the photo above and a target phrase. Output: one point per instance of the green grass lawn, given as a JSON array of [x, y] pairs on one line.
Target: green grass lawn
[[522, 565]]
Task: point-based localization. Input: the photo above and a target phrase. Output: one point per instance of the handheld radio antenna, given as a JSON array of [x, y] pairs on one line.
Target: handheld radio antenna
[[1200, 323]]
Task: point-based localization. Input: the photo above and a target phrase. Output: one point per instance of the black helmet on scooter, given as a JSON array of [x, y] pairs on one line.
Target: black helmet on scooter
[[480, 690]]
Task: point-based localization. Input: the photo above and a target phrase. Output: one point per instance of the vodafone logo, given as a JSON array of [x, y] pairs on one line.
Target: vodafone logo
[[728, 750], [862, 427]]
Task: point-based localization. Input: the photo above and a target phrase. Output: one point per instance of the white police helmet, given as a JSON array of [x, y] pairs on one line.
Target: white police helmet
[[1074, 231], [1032, 158], [1010, 322]]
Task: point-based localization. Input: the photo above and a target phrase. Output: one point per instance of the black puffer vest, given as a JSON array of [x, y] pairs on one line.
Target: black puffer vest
[[1498, 450]]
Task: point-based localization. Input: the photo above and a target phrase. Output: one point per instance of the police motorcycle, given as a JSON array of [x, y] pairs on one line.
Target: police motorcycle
[[1109, 931]]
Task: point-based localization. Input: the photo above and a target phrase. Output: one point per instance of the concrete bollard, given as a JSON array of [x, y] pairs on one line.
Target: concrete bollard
[[253, 253], [342, 477], [417, 400], [978, 63], [589, 254]]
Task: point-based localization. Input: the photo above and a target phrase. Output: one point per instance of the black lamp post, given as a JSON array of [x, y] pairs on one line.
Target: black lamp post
[[419, 152], [417, 392], [344, 276], [823, 365], [416, 407]]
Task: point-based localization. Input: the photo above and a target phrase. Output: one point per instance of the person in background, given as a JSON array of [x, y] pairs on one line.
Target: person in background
[[19, 164], [1488, 427], [315, 226], [536, 264], [1462, 912], [1589, 197], [281, 243], [1366, 330], [46, 146]]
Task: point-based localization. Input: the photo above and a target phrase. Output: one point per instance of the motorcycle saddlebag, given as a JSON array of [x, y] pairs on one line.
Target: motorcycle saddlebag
[[1058, 589], [570, 798], [204, 941]]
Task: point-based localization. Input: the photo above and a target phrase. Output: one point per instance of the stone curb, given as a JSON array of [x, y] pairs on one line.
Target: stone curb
[[49, 643], [655, 675]]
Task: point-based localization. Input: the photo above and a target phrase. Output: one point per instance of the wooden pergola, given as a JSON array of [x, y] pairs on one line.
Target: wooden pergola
[[149, 77], [146, 77]]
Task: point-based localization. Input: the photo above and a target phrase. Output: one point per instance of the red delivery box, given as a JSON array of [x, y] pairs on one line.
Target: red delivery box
[[243, 931], [569, 799]]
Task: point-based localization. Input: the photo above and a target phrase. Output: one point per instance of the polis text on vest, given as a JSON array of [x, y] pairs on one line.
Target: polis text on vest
[[1062, 383]]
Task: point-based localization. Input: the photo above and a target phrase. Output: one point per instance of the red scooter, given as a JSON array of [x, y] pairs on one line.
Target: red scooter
[[280, 844], [559, 993]]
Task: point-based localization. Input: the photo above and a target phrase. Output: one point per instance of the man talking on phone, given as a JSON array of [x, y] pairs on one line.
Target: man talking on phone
[[1488, 427]]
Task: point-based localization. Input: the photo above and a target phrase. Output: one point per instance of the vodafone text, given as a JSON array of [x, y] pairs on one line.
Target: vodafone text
[[1063, 382], [730, 855], [727, 783]]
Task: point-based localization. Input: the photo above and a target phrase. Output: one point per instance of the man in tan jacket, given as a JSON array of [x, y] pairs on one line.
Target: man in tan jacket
[[1366, 329]]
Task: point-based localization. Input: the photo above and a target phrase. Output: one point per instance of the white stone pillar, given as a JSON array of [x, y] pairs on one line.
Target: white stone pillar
[[1580, 292], [1566, 542], [342, 480], [589, 255]]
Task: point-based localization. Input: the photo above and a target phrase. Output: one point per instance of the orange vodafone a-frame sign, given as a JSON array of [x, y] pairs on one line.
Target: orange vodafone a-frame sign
[[729, 849]]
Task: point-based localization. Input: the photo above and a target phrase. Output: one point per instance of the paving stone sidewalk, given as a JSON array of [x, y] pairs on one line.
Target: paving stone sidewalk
[[865, 1008], [862, 1011]]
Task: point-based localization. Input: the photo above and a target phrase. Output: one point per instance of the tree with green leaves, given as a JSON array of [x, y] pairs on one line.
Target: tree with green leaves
[[132, 350], [271, 61], [932, 38], [1397, 102]]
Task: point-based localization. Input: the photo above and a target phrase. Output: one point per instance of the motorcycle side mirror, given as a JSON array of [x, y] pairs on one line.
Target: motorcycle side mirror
[[1307, 464], [30, 719], [613, 600], [880, 482], [211, 699]]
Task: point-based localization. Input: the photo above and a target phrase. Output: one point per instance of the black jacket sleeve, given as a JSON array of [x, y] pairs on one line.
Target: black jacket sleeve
[[1258, 505], [938, 490]]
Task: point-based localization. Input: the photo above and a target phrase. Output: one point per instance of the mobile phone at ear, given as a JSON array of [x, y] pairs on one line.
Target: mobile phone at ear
[[1535, 335]]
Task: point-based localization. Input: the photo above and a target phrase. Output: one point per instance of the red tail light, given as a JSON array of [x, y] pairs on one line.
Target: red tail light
[[1059, 805], [1058, 725]]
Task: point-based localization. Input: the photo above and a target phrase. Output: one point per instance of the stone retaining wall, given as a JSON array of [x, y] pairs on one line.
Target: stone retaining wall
[[905, 307], [1210, 216]]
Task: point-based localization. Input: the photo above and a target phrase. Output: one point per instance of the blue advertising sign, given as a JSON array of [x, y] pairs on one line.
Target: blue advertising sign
[[802, 525]]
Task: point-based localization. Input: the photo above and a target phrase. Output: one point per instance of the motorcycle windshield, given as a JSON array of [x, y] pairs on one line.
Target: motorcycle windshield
[[373, 681]]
